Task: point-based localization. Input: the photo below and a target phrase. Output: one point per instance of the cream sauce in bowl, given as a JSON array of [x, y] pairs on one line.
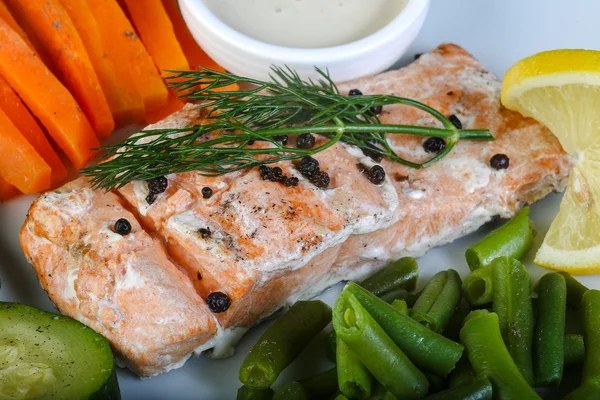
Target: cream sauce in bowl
[[306, 23]]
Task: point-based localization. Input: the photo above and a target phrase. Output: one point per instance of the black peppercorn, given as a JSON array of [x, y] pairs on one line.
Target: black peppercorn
[[207, 192], [376, 175], [455, 121], [434, 144], [372, 154], [305, 141], [122, 227], [151, 198], [204, 232], [291, 181], [283, 139], [218, 302], [376, 110], [277, 175], [251, 142], [355, 92], [499, 161], [308, 166], [320, 179], [157, 185], [266, 173]]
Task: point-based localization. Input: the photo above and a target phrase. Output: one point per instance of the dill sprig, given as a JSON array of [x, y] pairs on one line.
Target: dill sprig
[[260, 112]]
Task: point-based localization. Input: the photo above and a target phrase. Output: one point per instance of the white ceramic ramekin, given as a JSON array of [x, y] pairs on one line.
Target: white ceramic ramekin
[[246, 56]]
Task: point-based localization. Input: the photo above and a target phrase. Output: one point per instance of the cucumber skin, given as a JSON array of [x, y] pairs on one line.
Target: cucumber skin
[[110, 390]]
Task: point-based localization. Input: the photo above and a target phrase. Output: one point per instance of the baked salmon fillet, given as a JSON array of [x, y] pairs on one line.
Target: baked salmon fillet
[[257, 245]]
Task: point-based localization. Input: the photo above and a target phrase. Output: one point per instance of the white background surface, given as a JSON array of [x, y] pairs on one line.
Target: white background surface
[[498, 32]]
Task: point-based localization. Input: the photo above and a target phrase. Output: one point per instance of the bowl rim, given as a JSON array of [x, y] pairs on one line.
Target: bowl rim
[[398, 25]]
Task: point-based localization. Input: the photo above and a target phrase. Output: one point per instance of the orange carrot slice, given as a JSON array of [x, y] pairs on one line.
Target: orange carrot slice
[[7, 191], [20, 116], [46, 97], [124, 47], [126, 105], [20, 164], [47, 22]]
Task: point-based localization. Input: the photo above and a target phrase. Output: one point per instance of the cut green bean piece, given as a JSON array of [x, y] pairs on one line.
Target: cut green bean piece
[[399, 274], [574, 349], [456, 322], [290, 391], [575, 290], [463, 374], [513, 239], [549, 339], [396, 294], [490, 358], [374, 348], [340, 397], [478, 287], [354, 379], [246, 393], [480, 389], [282, 342], [587, 391], [320, 385], [401, 306], [590, 304], [436, 383], [330, 343], [439, 300], [379, 393], [427, 349], [512, 304]]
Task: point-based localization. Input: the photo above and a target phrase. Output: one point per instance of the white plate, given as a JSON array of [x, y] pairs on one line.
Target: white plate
[[498, 32]]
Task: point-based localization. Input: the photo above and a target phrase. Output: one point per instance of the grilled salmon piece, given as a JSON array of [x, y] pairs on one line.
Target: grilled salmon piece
[[266, 245], [122, 286]]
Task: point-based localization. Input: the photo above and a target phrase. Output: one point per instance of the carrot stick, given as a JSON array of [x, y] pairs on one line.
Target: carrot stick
[[46, 97], [49, 24], [20, 164], [20, 116], [126, 105], [7, 191], [10, 20], [124, 47]]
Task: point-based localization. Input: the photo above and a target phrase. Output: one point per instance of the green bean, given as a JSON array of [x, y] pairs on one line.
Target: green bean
[[379, 393], [354, 379], [478, 287], [396, 294], [480, 389], [282, 342], [427, 349], [549, 336], [575, 290], [512, 239], [574, 349], [439, 300], [463, 373], [412, 298], [340, 397], [399, 274], [590, 304], [374, 348], [401, 306], [330, 343], [320, 385], [587, 391], [453, 328], [512, 304], [246, 393], [490, 358], [436, 383], [290, 391]]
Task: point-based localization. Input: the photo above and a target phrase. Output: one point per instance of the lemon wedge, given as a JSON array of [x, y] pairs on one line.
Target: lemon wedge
[[561, 89]]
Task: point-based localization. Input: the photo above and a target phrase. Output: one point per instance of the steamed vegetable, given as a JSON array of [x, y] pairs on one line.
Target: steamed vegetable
[[354, 379], [575, 290], [322, 384], [478, 287], [438, 300], [399, 274], [480, 389]]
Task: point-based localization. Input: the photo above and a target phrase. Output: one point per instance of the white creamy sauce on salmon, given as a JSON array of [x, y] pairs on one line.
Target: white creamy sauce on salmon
[[306, 23]]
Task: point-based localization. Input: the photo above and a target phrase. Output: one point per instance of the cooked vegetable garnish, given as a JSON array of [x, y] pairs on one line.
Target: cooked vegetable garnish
[[575, 290], [425, 348], [246, 393], [388, 364], [398, 294], [512, 304], [438, 301], [282, 342], [548, 354], [45, 355], [512, 239], [456, 322], [331, 346], [286, 106], [463, 373], [490, 357], [574, 349], [379, 393], [400, 305], [478, 286], [480, 389], [322, 384], [399, 274], [290, 391], [354, 379], [436, 383]]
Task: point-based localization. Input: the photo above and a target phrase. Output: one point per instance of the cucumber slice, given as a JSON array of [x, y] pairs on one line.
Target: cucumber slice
[[45, 355]]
